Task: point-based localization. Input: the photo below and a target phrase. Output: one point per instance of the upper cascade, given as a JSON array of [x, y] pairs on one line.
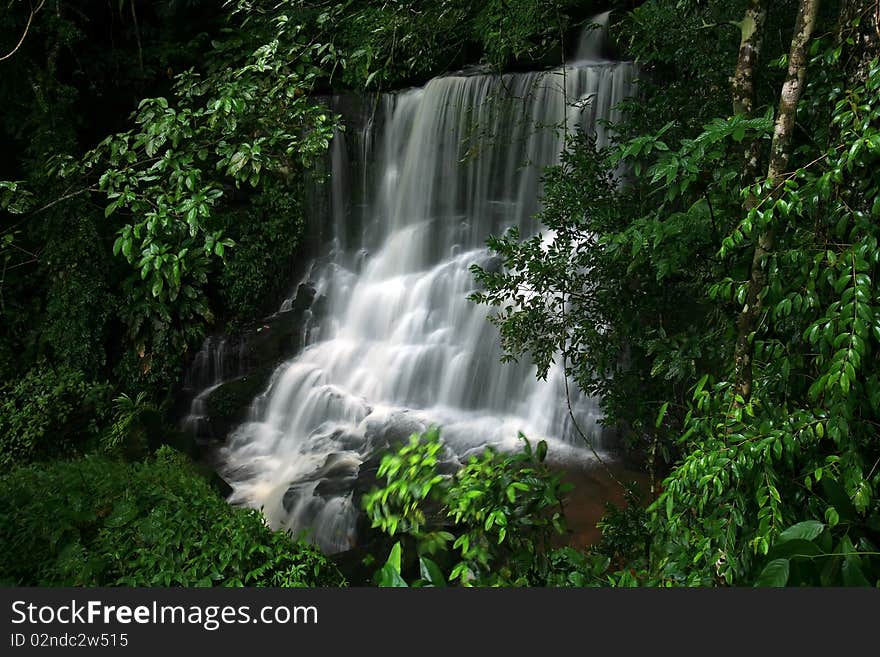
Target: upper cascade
[[592, 39]]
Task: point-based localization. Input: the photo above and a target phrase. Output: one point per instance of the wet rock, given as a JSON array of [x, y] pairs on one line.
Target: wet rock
[[274, 340], [384, 432], [335, 478], [329, 488], [228, 404], [305, 297], [249, 359]]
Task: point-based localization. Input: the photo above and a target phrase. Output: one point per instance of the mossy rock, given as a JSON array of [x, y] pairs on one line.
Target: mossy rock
[[228, 405]]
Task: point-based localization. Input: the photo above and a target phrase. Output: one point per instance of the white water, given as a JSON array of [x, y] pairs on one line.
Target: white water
[[401, 347]]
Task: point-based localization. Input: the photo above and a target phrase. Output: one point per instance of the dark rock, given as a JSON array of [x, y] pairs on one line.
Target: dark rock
[[368, 474], [256, 352], [274, 340], [305, 296], [217, 482], [228, 404], [339, 465], [328, 488], [382, 433]]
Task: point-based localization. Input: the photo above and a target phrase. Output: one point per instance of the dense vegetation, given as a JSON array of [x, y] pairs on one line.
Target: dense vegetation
[[720, 299], [102, 522]]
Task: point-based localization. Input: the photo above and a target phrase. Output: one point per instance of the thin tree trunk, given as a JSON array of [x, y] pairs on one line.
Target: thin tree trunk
[[861, 41], [780, 153], [743, 81]]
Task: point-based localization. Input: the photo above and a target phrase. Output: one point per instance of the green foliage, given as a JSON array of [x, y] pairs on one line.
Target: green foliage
[[388, 43], [639, 287], [521, 30], [389, 574], [495, 518], [804, 445], [49, 411], [625, 533], [128, 433], [97, 522], [393, 41], [808, 554], [248, 119], [267, 235], [242, 122], [611, 338], [688, 50], [79, 302]]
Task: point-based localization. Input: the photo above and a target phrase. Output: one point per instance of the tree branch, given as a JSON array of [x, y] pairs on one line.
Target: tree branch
[[26, 28]]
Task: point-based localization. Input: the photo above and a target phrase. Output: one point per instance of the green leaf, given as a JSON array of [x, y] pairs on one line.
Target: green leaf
[[431, 573], [389, 574], [390, 578], [806, 530], [838, 498], [775, 574], [661, 415], [852, 574], [862, 497], [394, 557], [541, 450], [832, 516], [796, 548]]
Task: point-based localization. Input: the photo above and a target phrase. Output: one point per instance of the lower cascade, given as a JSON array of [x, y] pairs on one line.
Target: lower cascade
[[398, 346]]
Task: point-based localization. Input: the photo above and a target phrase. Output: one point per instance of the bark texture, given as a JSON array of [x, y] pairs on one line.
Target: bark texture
[[859, 34], [743, 81], [780, 153]]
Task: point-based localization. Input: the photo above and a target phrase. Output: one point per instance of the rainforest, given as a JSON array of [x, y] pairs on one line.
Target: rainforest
[[423, 293]]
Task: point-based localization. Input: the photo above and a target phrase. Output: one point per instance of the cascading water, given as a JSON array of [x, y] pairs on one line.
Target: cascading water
[[400, 346], [212, 365]]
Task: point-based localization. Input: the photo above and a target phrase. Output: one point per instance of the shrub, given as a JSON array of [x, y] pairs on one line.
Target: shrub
[[493, 521], [99, 522], [49, 410]]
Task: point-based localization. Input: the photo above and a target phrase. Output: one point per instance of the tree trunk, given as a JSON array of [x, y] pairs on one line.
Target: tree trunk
[[780, 152], [743, 81], [859, 35]]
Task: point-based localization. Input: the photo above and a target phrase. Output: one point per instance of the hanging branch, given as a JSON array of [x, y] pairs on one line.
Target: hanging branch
[[137, 36], [566, 140], [33, 12]]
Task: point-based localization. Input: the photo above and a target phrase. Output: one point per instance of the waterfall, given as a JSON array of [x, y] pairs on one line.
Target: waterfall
[[399, 346], [212, 365], [590, 44]]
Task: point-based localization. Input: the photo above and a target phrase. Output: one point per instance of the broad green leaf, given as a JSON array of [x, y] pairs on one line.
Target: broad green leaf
[[431, 573], [852, 574], [795, 548], [806, 530], [775, 574], [394, 557], [541, 450], [390, 578]]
